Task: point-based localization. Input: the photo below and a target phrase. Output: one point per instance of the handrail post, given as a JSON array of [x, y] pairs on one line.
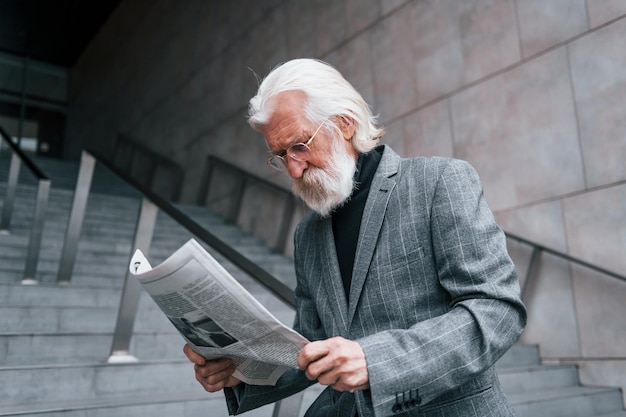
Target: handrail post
[[120, 347], [288, 407], [9, 199], [237, 201], [77, 216], [203, 193], [529, 273], [36, 233], [285, 225]]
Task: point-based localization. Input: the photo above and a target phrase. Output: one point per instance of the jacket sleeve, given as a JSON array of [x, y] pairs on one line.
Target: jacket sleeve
[[485, 315], [246, 397]]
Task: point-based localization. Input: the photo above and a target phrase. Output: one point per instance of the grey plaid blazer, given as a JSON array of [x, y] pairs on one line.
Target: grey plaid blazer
[[434, 300]]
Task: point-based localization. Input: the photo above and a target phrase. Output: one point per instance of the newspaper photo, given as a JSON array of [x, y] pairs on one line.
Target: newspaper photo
[[217, 316]]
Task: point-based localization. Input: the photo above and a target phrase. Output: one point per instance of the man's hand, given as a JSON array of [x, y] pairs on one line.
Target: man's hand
[[337, 362], [213, 375]]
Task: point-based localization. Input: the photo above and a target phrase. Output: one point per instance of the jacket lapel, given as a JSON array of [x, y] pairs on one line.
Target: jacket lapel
[[380, 192], [331, 277]]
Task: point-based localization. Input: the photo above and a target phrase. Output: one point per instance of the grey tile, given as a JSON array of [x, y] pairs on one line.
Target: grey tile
[[603, 11], [330, 24], [489, 37], [438, 49], [598, 217], [597, 63], [519, 131], [394, 136], [457, 43], [600, 311], [389, 5], [603, 373], [541, 223], [546, 23], [551, 310], [360, 14], [394, 65], [354, 61], [427, 132], [301, 33]]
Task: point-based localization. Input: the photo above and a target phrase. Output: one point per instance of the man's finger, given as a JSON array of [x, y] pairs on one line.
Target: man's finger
[[215, 367], [193, 356], [312, 352]]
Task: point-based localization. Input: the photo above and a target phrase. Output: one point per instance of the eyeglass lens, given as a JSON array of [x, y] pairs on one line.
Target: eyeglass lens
[[298, 152]]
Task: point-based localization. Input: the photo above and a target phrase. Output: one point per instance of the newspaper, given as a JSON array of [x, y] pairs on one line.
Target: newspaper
[[217, 316]]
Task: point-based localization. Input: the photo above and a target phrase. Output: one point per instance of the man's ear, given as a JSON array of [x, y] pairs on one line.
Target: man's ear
[[346, 125]]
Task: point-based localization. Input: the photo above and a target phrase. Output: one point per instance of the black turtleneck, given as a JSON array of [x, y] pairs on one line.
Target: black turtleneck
[[347, 218]]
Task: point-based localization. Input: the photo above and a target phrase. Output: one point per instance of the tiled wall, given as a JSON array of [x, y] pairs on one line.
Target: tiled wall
[[531, 92]]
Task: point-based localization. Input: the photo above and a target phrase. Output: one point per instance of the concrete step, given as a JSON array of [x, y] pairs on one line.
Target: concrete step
[[14, 293], [113, 276], [63, 174], [99, 269], [79, 348], [51, 278], [532, 378], [191, 404], [114, 230], [22, 385], [576, 401], [54, 244], [66, 334], [98, 390], [105, 238], [37, 320], [29, 319], [518, 356], [14, 252], [100, 261]]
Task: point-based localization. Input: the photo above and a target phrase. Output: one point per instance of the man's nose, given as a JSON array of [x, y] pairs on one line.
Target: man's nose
[[296, 168]]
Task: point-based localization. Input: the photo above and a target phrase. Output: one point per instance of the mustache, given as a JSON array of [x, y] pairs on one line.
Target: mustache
[[325, 190]]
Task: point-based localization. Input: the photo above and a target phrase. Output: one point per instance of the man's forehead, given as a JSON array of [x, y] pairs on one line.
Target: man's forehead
[[287, 104]]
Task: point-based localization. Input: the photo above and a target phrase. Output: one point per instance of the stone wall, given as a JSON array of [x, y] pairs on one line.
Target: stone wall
[[531, 92]]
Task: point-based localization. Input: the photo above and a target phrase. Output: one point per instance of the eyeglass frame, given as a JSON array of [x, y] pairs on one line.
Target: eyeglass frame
[[285, 158]]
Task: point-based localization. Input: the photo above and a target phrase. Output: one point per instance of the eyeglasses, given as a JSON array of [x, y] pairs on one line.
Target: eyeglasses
[[298, 152]]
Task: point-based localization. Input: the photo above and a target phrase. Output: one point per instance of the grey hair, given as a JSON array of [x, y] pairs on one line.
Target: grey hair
[[328, 94]]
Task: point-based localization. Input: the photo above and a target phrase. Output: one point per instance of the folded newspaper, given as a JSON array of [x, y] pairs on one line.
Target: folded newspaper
[[217, 316]]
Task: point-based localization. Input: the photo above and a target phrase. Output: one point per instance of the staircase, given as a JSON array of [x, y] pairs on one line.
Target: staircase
[[54, 341]]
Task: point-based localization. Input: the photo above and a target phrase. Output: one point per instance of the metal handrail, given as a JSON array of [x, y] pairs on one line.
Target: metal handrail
[[537, 249], [157, 161], [245, 179], [272, 283], [151, 203], [38, 173], [43, 192], [214, 160], [566, 257]]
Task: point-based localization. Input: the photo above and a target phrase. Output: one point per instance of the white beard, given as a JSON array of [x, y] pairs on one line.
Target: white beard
[[324, 190]]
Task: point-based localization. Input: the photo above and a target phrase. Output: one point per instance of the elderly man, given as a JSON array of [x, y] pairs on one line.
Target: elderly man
[[404, 284]]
